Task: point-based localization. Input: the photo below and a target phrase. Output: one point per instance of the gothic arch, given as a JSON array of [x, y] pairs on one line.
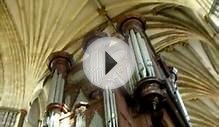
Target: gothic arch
[[33, 116]]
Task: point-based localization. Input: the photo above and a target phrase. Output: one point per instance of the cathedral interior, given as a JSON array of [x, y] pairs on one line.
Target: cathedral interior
[[42, 42]]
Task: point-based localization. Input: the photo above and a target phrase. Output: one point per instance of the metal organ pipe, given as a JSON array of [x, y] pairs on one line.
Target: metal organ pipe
[[144, 63], [130, 86], [138, 56], [144, 66], [57, 88], [176, 90], [110, 108]]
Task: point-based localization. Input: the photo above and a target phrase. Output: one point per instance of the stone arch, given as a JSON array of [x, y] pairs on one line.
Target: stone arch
[[37, 106], [34, 113]]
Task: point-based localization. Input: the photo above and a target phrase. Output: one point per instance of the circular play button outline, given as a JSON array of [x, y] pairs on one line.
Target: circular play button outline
[[108, 63]]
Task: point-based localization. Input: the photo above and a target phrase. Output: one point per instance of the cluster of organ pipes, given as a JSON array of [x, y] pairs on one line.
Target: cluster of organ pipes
[[143, 60], [155, 81], [144, 64], [10, 117], [60, 64], [111, 119], [152, 86], [110, 108]]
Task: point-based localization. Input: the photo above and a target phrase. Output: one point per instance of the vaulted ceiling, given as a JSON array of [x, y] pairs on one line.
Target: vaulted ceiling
[[30, 30]]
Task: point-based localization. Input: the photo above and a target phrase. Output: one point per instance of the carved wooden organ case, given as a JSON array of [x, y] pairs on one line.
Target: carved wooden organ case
[[149, 99]]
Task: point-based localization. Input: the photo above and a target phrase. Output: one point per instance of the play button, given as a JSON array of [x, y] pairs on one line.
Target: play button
[[108, 63]]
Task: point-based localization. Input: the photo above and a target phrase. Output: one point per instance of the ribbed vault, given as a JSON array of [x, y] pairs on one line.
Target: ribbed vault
[[30, 30]]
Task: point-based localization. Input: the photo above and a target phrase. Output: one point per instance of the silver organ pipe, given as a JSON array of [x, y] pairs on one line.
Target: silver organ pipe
[[57, 88], [144, 66], [138, 56], [144, 63], [173, 77], [110, 108]]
